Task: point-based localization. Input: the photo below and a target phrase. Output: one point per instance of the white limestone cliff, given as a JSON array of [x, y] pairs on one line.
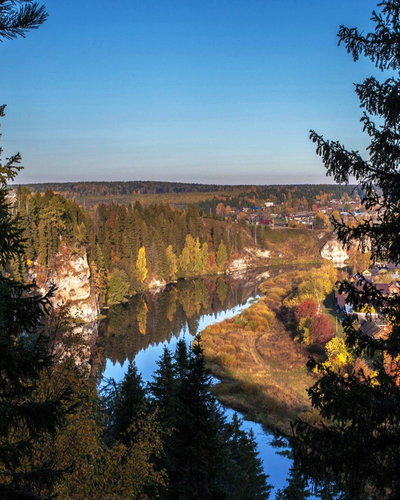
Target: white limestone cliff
[[333, 250], [71, 275]]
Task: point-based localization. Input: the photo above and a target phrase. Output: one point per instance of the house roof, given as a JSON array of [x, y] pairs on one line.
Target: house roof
[[387, 288], [370, 328]]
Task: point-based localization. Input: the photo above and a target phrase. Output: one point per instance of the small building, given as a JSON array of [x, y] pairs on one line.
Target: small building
[[367, 273], [387, 288], [370, 329]]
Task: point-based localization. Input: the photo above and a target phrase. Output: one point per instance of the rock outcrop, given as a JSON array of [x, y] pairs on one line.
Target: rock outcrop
[[253, 257], [333, 250], [71, 275]]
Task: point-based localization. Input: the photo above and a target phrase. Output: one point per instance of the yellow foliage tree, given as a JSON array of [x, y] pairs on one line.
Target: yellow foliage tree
[[142, 316], [141, 269], [338, 354], [171, 267]]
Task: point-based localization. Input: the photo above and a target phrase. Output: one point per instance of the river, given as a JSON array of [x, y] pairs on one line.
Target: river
[[139, 330]]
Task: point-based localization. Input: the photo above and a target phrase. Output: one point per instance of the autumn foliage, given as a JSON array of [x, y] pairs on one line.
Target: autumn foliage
[[306, 309], [321, 329]]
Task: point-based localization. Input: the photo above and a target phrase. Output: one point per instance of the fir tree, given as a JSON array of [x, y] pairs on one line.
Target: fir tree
[[356, 445], [193, 221], [19, 16], [26, 417], [163, 389], [205, 458], [126, 404], [244, 473]]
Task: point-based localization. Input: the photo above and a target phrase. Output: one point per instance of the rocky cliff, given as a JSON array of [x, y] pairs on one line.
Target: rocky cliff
[[333, 250], [71, 275]]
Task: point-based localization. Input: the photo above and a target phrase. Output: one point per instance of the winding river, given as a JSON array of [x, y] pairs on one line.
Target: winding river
[[139, 330]]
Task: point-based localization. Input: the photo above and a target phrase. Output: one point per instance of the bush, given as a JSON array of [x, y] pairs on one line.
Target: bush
[[321, 329], [306, 309]]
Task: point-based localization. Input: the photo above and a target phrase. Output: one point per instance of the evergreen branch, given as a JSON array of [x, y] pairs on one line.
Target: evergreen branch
[[17, 19]]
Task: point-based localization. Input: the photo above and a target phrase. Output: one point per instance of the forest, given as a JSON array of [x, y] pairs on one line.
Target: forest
[[128, 247]]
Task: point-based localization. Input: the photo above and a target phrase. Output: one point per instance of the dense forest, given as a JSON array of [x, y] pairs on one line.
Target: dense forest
[[131, 246], [128, 246]]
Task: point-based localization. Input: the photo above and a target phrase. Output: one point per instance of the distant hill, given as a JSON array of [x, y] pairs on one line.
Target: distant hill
[[182, 194]]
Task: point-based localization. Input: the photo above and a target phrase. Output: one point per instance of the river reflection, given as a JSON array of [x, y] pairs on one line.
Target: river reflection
[[139, 329], [154, 318]]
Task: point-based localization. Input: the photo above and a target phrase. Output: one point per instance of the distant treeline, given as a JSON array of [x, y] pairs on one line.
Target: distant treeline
[[117, 188], [207, 195]]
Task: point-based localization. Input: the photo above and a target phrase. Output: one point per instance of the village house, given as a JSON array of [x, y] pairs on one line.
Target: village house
[[374, 328], [385, 289]]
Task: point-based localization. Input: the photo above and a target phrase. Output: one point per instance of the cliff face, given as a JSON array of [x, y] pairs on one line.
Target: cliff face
[[253, 257], [71, 275], [334, 251]]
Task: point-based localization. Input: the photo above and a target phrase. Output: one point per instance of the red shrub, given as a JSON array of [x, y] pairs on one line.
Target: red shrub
[[306, 309], [321, 329]]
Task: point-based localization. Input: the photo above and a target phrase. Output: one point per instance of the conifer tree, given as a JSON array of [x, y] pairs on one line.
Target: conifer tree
[[126, 404], [244, 472], [193, 220], [197, 442], [356, 445], [26, 417], [205, 458], [163, 389], [19, 16], [119, 286]]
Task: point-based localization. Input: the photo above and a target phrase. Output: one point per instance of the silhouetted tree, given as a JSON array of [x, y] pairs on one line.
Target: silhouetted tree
[[19, 16], [126, 404], [356, 444], [28, 417], [205, 458]]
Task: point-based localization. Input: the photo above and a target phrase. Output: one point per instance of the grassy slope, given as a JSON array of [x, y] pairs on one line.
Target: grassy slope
[[262, 370]]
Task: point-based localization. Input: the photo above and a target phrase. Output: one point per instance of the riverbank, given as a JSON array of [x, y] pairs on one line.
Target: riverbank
[[282, 247], [261, 367], [262, 371]]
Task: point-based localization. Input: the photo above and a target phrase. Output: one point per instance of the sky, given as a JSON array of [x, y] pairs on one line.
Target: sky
[[210, 91]]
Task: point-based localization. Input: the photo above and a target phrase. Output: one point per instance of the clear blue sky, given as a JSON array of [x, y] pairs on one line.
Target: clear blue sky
[[210, 91]]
